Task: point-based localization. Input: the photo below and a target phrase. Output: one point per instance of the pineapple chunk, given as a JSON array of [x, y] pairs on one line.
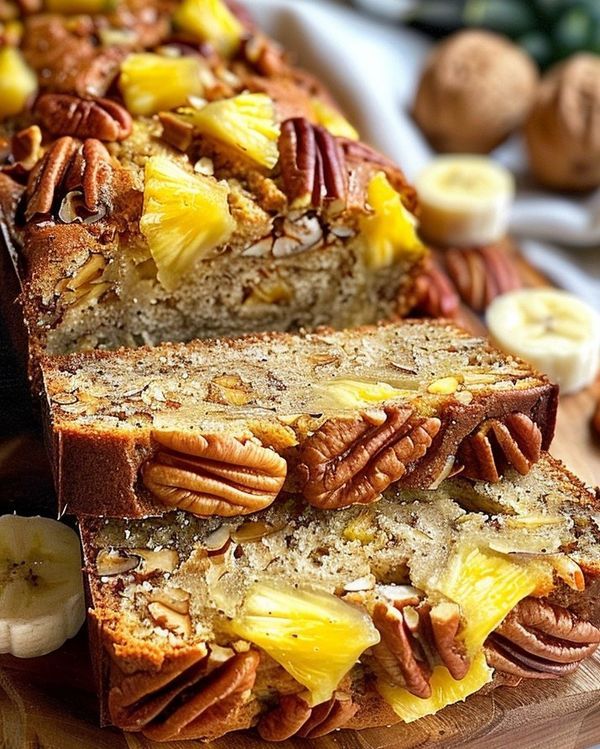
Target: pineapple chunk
[[151, 83], [185, 216], [315, 636], [245, 122], [361, 528], [79, 6], [332, 120], [444, 691], [17, 82], [390, 231], [211, 21], [487, 587], [357, 393]]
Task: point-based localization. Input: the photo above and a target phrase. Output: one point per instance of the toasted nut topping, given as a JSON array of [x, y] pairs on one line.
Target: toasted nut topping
[[294, 717], [86, 286], [444, 386], [62, 114], [175, 598], [213, 474], [515, 441], [158, 560]]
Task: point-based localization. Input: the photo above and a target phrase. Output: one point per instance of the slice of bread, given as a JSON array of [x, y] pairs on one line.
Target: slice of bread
[[200, 627], [223, 427], [310, 228]]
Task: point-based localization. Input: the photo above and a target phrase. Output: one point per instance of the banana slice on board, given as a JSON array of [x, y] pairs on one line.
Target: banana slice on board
[[554, 330], [41, 585], [465, 201]]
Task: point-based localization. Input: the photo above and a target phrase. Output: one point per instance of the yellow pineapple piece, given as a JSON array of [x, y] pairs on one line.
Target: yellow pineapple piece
[[185, 216], [211, 21], [487, 587], [78, 6], [316, 637], [246, 123], [17, 82], [390, 231], [152, 83], [358, 393], [332, 120], [361, 528]]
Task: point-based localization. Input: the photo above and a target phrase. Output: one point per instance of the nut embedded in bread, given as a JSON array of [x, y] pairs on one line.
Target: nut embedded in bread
[[191, 183], [300, 621], [476, 88], [226, 427]]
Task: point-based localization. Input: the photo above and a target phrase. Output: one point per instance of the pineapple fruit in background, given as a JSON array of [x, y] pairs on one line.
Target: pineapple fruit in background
[[17, 82], [151, 83], [185, 216]]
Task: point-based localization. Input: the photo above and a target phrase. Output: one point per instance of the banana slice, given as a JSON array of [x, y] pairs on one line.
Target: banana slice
[[554, 330], [465, 201], [41, 585]]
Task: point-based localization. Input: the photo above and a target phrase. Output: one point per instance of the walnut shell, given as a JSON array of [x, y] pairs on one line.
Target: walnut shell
[[476, 88], [562, 132]]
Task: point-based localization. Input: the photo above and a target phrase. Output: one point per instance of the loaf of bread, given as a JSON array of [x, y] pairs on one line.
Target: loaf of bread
[[223, 427], [301, 621], [177, 178]]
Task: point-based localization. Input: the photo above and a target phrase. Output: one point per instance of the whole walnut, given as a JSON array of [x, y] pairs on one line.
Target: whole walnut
[[562, 132], [476, 88]]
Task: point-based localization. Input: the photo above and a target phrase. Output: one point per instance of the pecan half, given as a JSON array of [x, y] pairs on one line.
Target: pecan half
[[67, 166], [539, 640], [358, 153], [22, 152], [62, 114], [313, 167], [482, 273], [213, 474], [435, 294], [352, 461], [514, 441], [186, 699], [294, 717]]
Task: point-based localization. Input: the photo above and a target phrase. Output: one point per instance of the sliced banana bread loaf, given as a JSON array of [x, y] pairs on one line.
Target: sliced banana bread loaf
[[222, 427], [177, 178], [301, 621]]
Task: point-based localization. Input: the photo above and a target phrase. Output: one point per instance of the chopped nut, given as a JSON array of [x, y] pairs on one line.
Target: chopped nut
[[229, 390], [158, 560], [175, 598], [444, 386], [87, 284], [111, 562], [176, 132], [218, 539], [168, 618], [253, 530]]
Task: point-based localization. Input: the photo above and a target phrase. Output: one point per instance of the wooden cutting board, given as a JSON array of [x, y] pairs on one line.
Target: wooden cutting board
[[49, 703]]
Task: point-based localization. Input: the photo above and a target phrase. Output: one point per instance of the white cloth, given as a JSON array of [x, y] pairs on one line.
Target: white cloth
[[373, 68]]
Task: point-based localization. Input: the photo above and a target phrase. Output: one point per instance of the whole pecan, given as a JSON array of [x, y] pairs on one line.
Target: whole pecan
[[435, 293], [416, 636], [69, 165], [539, 640], [515, 441], [352, 461], [216, 474], [294, 717], [482, 273], [62, 114], [186, 698], [312, 166]]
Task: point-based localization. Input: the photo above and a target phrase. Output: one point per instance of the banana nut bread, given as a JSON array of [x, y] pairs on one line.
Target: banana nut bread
[[300, 621], [177, 178], [222, 427]]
